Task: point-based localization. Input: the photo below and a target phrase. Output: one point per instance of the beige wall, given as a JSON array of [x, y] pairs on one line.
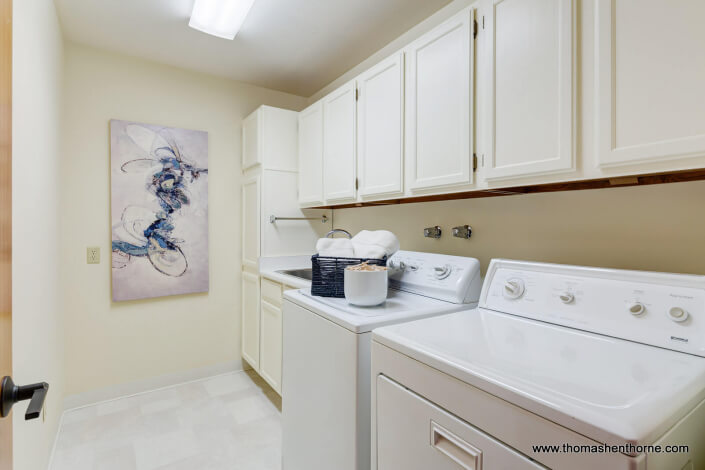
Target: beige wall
[[658, 228], [37, 334], [113, 343]]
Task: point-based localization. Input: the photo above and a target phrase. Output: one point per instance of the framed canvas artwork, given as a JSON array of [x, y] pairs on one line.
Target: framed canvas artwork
[[159, 199]]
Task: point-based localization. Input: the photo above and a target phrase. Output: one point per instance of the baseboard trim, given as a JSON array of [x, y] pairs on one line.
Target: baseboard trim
[[115, 392]]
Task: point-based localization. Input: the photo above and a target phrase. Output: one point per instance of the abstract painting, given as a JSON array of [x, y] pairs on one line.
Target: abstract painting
[[159, 186]]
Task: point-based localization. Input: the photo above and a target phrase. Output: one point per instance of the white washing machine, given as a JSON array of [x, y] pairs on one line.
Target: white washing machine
[[560, 367], [326, 358]]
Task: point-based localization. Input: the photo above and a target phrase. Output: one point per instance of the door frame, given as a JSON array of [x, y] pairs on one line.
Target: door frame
[[6, 218]]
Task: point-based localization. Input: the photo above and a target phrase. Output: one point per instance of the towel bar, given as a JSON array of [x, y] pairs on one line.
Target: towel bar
[[274, 218]]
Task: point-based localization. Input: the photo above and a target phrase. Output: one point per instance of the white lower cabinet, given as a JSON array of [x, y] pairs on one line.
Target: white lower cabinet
[[262, 326], [250, 318], [271, 334], [413, 433], [271, 345]]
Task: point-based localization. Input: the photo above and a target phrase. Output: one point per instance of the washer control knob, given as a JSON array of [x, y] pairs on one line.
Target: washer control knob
[[637, 308], [678, 314], [567, 297], [513, 288], [442, 272]]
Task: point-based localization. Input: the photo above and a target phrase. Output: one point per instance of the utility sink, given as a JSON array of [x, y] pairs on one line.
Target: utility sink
[[306, 273]]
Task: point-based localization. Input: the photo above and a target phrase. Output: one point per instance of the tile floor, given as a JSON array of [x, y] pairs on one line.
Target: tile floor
[[229, 422]]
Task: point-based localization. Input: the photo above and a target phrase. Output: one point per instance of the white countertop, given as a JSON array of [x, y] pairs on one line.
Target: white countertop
[[268, 267]]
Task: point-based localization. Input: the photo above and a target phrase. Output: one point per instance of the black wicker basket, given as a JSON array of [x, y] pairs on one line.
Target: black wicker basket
[[329, 274]]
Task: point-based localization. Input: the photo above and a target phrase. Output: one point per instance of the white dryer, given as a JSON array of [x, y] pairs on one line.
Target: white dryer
[[560, 367], [326, 356]]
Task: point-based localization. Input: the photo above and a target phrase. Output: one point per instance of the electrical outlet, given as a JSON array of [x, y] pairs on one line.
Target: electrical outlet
[[93, 255]]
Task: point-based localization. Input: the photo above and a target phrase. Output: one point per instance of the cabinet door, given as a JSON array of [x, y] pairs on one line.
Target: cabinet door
[[311, 155], [339, 144], [380, 130], [530, 50], [279, 139], [439, 105], [271, 346], [250, 140], [250, 319], [650, 80], [251, 222]]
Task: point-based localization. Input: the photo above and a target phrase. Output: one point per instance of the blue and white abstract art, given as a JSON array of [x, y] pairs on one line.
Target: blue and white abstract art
[[159, 186]]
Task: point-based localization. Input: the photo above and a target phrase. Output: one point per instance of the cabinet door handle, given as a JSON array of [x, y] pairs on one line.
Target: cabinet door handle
[[464, 454]]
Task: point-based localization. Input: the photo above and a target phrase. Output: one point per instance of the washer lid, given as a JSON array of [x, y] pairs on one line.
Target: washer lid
[[611, 390], [400, 306]]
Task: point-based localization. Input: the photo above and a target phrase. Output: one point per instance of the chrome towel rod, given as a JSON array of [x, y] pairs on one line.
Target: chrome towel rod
[[274, 218]]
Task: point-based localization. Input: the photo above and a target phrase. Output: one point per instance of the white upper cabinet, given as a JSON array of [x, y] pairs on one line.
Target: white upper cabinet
[[258, 146], [439, 105], [311, 155], [650, 76], [339, 175], [530, 90], [380, 129]]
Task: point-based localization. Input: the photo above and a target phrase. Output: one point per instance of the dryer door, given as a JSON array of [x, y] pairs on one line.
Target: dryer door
[[413, 433]]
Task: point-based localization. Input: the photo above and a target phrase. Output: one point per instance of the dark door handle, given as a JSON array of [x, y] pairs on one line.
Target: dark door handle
[[11, 394]]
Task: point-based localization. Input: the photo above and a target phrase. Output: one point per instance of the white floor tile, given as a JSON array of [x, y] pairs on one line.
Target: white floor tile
[[228, 422]]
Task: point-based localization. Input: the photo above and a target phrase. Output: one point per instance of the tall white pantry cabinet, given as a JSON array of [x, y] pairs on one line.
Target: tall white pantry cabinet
[[511, 93], [269, 188]]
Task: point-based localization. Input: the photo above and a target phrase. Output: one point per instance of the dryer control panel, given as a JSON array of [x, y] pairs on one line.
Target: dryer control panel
[[659, 309]]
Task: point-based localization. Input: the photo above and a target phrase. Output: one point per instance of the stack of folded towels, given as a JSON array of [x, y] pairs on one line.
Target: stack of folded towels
[[367, 244]]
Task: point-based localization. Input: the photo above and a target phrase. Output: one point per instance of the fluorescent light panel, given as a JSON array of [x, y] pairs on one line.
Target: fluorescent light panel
[[222, 18]]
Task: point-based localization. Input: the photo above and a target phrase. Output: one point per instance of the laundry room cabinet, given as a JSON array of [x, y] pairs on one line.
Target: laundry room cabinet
[[439, 105], [532, 95], [339, 145], [250, 318], [529, 95], [310, 156], [269, 185], [380, 129], [649, 73], [262, 327]]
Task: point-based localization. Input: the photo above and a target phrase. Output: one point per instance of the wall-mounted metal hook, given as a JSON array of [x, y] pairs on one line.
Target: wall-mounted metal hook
[[432, 232], [462, 231]]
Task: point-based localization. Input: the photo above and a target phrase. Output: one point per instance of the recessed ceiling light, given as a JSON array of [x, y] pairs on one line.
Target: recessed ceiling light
[[222, 18]]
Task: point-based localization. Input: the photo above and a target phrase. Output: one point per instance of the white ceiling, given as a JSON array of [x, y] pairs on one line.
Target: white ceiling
[[297, 46]]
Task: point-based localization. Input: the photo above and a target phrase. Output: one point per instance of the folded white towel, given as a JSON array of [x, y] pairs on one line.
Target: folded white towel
[[380, 238], [335, 247], [369, 251]]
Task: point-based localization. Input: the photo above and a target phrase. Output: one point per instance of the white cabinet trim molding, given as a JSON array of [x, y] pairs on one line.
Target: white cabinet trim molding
[[564, 160]]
